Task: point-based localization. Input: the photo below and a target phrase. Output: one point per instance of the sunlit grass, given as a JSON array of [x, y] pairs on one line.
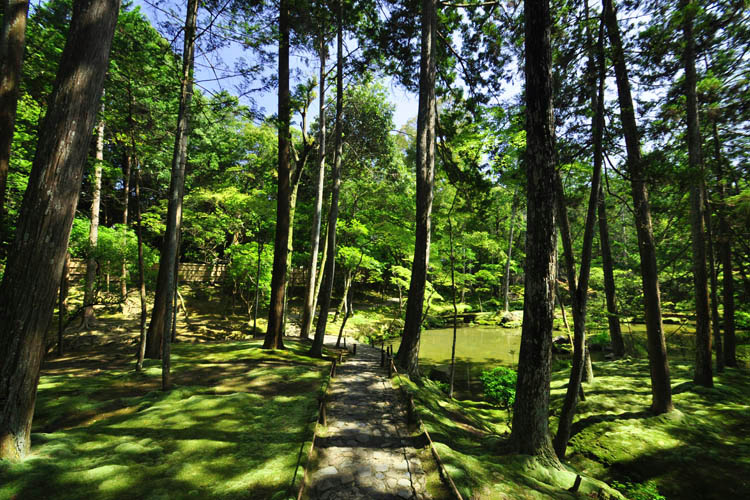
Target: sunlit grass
[[200, 440]]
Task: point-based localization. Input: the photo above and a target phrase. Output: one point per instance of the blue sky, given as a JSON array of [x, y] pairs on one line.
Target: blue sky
[[306, 66]]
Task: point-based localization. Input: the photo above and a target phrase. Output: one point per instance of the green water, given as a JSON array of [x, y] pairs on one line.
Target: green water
[[483, 347], [477, 348]]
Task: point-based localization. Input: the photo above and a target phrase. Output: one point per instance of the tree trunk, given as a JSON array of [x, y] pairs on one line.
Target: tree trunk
[[657, 349], [342, 305], [530, 434], [274, 333], [613, 315], [703, 370], [506, 283], [62, 303], [257, 283], [126, 202], [168, 260], [12, 43], [715, 321], [452, 376], [408, 352], [89, 296], [141, 273], [725, 254], [324, 297], [321, 274], [35, 262], [309, 309]]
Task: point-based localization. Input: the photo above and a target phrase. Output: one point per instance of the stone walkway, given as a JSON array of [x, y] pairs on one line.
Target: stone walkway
[[366, 453]]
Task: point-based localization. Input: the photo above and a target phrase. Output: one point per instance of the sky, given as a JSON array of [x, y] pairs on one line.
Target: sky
[[303, 66]]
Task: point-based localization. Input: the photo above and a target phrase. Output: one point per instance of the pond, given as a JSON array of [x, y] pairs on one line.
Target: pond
[[484, 347]]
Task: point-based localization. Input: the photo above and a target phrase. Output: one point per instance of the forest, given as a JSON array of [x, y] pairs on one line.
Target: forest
[[231, 268]]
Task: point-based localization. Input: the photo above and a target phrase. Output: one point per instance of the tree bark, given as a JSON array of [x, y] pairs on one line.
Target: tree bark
[[324, 297], [309, 311], [170, 250], [141, 273], [274, 332], [126, 202], [89, 317], [408, 351], [530, 434], [12, 43], [657, 349], [703, 369], [506, 283], [35, 262], [613, 314], [725, 254], [62, 303], [715, 321]]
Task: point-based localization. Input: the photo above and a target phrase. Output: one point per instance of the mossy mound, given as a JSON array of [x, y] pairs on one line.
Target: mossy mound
[[471, 438], [235, 427]]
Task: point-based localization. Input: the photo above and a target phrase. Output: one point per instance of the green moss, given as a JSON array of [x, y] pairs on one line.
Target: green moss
[[196, 441]]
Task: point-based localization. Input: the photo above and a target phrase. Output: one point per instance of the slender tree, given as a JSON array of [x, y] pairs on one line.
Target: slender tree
[[161, 315], [408, 351], [89, 295], [703, 371], [530, 434], [12, 43], [274, 332], [506, 281], [141, 271], [168, 260], [35, 262], [657, 349], [326, 289], [613, 315], [308, 311]]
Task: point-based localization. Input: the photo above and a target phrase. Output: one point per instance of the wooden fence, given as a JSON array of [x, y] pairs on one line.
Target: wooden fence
[[191, 272]]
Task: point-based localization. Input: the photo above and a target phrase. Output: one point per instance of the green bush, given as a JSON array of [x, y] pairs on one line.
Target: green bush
[[599, 338], [639, 491], [499, 386]]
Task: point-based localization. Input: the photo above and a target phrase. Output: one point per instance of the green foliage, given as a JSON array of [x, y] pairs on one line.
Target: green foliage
[[638, 491], [243, 270], [499, 385], [115, 246]]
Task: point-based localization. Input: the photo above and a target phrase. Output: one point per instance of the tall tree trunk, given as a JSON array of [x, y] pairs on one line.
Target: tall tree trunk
[[35, 262], [12, 43], [274, 333], [141, 272], [715, 321], [408, 352], [657, 349], [90, 287], [725, 254], [257, 282], [309, 310], [530, 434], [170, 250], [324, 297], [161, 313], [703, 370], [289, 248], [321, 274], [452, 376], [613, 315], [506, 283], [126, 202], [62, 303]]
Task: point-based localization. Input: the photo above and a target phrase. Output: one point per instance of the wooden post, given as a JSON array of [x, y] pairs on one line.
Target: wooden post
[[390, 367], [382, 357], [354, 349]]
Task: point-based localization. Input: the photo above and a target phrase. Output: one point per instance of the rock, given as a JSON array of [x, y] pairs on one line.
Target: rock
[[511, 319]]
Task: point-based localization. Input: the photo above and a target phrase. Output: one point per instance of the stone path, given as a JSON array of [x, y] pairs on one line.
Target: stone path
[[366, 453]]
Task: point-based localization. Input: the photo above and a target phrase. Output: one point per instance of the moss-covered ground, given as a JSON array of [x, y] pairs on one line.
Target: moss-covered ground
[[236, 425], [700, 451]]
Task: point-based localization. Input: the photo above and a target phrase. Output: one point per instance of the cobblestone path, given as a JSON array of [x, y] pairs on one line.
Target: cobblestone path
[[366, 453]]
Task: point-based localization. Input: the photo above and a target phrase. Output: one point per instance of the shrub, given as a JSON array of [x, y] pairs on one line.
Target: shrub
[[639, 491], [499, 386]]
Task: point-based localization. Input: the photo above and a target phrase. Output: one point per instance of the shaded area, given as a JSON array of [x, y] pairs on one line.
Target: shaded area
[[224, 432]]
